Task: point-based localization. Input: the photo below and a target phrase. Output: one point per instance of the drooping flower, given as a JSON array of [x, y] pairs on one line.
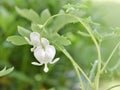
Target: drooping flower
[[43, 51]]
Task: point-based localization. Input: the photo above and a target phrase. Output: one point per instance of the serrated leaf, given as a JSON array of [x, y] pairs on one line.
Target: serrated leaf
[[45, 15], [23, 32], [17, 40], [63, 41], [29, 14], [89, 20], [6, 71], [60, 40], [61, 21], [35, 28]]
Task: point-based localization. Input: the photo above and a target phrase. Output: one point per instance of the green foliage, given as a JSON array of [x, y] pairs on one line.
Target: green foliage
[[29, 14], [17, 40], [61, 21], [92, 72], [36, 28], [6, 71], [60, 40], [61, 30], [21, 77], [45, 15], [23, 32]]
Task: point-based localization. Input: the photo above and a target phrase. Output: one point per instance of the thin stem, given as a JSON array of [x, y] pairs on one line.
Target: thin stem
[[76, 67], [75, 64], [114, 87], [80, 79], [89, 30], [98, 50], [109, 58]]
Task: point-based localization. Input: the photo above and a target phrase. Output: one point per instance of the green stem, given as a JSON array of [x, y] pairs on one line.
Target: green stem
[[76, 66], [89, 30], [98, 50], [113, 87], [80, 79], [109, 58], [99, 54]]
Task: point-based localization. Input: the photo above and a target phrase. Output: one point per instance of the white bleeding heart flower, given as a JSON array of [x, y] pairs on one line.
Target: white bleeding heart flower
[[43, 51]]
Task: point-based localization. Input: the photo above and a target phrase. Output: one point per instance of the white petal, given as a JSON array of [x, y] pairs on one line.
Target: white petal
[[45, 42], [35, 38], [45, 68], [39, 54], [54, 61], [49, 53], [36, 63], [33, 34]]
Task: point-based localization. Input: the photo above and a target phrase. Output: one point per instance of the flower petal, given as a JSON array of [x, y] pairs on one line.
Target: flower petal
[[39, 54], [46, 68], [36, 63], [35, 38], [54, 61], [45, 42], [49, 53]]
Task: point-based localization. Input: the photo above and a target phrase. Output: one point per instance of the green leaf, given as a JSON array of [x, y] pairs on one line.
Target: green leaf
[[60, 40], [23, 32], [17, 40], [6, 71], [61, 21], [117, 31], [45, 15], [83, 34], [29, 14], [35, 28], [90, 21]]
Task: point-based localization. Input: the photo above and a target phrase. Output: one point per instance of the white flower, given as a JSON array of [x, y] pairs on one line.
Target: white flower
[[43, 51]]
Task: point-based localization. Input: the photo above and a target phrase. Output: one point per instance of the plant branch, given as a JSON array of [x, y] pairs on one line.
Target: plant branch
[[114, 87], [76, 66], [89, 30], [110, 56]]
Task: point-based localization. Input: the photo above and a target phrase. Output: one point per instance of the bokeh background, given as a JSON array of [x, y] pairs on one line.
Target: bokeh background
[[61, 75]]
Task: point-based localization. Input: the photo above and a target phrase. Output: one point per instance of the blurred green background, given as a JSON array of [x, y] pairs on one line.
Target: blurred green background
[[61, 75]]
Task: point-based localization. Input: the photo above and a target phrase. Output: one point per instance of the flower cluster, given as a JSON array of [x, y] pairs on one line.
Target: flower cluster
[[43, 51]]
